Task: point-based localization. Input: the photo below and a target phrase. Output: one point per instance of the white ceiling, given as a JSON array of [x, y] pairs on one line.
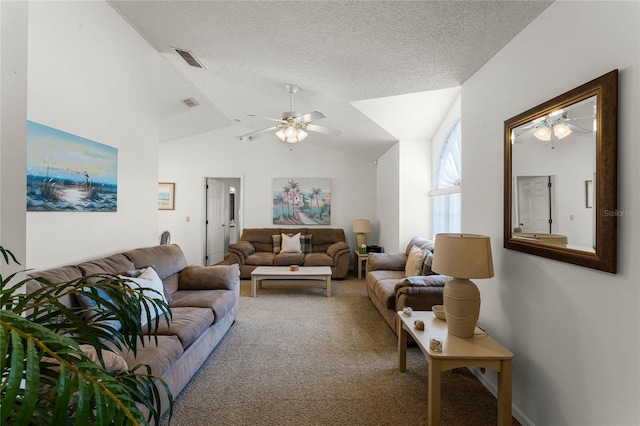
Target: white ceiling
[[380, 71]]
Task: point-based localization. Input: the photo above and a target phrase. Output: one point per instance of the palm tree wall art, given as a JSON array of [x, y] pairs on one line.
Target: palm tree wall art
[[301, 201]]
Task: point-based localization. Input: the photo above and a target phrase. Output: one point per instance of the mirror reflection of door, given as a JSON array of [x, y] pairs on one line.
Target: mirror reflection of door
[[534, 204]]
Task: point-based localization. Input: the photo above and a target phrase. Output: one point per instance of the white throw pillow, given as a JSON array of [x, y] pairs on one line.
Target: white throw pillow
[[291, 244], [415, 259], [148, 279]]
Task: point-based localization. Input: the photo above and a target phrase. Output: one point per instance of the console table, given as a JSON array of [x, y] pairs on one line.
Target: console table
[[478, 351]]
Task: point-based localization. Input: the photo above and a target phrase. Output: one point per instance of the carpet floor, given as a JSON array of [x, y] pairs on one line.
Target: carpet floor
[[296, 357]]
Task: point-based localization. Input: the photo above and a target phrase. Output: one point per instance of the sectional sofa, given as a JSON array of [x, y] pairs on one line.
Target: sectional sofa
[[261, 247], [204, 303]]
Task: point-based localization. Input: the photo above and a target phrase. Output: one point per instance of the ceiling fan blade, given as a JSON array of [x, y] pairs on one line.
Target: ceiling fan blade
[[311, 116], [262, 116], [251, 136], [322, 129]]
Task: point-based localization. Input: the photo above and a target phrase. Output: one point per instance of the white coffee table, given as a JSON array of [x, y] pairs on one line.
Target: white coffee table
[[320, 273]]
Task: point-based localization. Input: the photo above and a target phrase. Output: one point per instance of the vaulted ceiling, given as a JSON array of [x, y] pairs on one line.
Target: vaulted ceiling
[[380, 71]]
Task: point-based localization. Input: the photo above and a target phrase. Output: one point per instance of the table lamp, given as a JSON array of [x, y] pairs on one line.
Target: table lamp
[[462, 256], [361, 227]]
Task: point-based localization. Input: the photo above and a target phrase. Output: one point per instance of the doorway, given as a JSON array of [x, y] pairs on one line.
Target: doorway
[[222, 217], [536, 204]]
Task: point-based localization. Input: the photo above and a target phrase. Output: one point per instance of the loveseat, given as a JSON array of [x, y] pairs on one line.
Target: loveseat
[[392, 285], [204, 303], [262, 247]]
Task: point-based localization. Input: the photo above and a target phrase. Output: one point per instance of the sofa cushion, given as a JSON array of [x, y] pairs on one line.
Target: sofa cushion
[[217, 277], [115, 264], [426, 264], [291, 244], [87, 302], [152, 287], [167, 259], [420, 242], [277, 243], [219, 301], [261, 258], [318, 259], [284, 259], [415, 261], [186, 323], [112, 360], [306, 244], [56, 275], [159, 356]]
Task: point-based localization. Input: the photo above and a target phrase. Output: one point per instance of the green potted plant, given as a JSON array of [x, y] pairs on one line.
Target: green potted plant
[[56, 361]]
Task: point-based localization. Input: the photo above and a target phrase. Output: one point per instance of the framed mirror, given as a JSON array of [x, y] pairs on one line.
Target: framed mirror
[[560, 177]]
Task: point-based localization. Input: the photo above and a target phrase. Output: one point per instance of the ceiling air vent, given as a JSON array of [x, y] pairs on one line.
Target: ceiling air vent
[[188, 57], [190, 102]]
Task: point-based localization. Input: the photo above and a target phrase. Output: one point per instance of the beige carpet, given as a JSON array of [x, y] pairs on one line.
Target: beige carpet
[[296, 357]]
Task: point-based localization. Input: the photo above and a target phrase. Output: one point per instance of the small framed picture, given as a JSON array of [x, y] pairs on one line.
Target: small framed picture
[[166, 195], [589, 193]]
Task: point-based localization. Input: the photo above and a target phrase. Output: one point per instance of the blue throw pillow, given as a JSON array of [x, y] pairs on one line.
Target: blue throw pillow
[[87, 303]]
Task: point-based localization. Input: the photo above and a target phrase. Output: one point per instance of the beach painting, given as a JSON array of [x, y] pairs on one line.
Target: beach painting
[[301, 201], [66, 172]]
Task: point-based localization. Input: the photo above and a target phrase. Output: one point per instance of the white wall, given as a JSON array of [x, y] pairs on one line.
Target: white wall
[[92, 75], [388, 199], [13, 130], [220, 154], [575, 332], [415, 182]]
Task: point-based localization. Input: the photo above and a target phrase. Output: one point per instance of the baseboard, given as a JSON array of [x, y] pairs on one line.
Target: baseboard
[[491, 387]]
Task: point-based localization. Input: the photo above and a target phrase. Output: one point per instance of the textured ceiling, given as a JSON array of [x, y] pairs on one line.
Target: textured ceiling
[[353, 61]]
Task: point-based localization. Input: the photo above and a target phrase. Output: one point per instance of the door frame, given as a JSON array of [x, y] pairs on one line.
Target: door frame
[[239, 200]]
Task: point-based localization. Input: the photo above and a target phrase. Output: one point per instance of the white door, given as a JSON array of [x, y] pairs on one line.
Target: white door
[[534, 204], [215, 221]]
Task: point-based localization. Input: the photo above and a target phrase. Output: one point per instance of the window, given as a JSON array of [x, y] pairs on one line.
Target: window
[[446, 192]]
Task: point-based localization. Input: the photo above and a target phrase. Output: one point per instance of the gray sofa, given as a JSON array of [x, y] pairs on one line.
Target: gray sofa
[[204, 303], [390, 289], [257, 247]]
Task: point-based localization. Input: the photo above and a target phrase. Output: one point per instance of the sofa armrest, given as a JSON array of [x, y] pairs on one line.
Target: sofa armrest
[[337, 248], [240, 250], [421, 292], [386, 261], [413, 284], [217, 277]]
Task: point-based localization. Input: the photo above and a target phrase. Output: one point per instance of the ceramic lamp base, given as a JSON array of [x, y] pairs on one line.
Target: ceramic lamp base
[[361, 239], [461, 306]]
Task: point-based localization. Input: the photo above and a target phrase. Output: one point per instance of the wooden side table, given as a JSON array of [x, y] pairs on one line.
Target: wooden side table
[[361, 258], [480, 351]]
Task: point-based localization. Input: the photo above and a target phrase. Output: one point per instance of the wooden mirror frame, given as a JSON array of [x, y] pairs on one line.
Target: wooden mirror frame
[[605, 185]]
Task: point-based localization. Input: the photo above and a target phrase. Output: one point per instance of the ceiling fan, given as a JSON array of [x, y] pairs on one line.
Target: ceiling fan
[[292, 127]]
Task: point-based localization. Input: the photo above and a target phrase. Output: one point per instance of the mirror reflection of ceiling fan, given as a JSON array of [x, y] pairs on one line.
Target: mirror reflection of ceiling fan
[[292, 127], [555, 126]]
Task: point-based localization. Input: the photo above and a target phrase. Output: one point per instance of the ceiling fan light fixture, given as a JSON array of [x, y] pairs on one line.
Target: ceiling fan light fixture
[[543, 133], [561, 130]]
